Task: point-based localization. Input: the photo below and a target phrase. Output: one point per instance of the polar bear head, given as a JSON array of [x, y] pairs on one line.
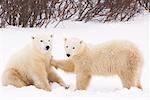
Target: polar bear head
[[42, 42], [73, 46]]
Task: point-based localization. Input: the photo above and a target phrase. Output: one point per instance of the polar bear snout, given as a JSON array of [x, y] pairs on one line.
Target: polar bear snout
[[47, 47], [68, 55]]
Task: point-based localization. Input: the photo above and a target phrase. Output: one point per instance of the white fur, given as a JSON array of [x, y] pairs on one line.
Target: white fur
[[31, 65], [120, 58]]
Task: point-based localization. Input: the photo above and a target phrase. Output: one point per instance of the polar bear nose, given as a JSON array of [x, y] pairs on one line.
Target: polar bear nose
[[47, 47], [68, 55]]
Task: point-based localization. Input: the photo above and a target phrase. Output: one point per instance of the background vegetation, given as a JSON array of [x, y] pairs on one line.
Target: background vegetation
[[36, 13]]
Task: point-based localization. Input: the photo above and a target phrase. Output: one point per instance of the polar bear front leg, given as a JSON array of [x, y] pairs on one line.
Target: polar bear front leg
[[66, 65], [52, 76], [42, 83], [82, 80], [40, 79]]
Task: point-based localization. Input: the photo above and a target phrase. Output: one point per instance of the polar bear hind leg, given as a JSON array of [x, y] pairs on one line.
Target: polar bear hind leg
[[128, 79], [131, 75], [12, 77]]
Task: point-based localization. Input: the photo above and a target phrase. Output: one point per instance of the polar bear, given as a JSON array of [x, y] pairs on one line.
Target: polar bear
[[31, 65], [114, 57]]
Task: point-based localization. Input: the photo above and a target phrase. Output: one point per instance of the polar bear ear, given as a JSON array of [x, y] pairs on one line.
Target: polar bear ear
[[81, 41], [65, 39], [51, 35]]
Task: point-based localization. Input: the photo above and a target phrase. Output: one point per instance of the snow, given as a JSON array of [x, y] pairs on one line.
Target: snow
[[12, 39]]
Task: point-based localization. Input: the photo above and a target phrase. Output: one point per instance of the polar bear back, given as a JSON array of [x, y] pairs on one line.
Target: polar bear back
[[113, 56]]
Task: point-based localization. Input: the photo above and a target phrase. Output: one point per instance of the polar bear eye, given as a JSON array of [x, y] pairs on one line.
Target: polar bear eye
[[73, 48], [48, 40], [41, 40], [66, 46]]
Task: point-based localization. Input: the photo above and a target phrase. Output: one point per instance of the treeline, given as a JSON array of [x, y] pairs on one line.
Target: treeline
[[36, 13]]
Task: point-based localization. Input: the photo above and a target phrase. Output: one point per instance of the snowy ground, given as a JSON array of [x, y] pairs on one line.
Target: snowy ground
[[12, 39]]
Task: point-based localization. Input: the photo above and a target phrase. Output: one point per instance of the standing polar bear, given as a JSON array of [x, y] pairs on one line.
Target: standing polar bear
[[31, 65], [120, 58]]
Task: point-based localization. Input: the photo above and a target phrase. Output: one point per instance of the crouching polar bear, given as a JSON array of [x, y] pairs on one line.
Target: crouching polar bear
[[120, 58], [31, 65]]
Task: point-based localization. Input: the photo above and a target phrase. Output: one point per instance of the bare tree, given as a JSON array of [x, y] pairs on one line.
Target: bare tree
[[145, 4], [36, 13]]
